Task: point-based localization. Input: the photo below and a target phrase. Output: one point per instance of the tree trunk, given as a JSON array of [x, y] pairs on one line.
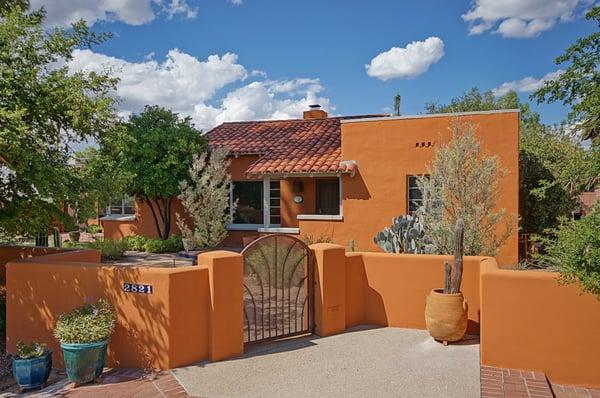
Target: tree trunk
[[154, 215], [161, 213], [166, 218]]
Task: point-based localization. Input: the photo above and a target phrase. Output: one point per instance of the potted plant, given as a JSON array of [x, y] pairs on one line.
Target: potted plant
[[32, 365], [84, 334], [446, 309]]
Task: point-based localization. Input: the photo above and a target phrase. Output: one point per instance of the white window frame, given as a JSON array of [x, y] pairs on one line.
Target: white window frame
[[120, 216], [266, 225]]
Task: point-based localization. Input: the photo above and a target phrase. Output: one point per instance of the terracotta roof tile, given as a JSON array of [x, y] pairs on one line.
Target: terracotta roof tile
[[285, 146]]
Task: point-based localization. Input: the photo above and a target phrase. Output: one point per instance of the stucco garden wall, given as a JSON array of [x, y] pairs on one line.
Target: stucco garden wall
[[529, 321], [165, 329], [525, 319]]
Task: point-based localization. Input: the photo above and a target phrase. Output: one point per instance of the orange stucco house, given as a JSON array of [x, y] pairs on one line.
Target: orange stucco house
[[339, 177]]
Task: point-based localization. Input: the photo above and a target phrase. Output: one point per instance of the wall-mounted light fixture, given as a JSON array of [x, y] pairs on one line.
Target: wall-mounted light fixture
[[298, 186]]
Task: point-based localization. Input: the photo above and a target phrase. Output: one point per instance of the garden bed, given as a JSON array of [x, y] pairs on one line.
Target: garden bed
[[160, 260]]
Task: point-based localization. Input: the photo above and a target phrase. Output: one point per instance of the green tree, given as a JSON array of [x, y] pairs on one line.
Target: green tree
[[44, 109], [553, 167], [156, 151], [98, 179], [579, 85]]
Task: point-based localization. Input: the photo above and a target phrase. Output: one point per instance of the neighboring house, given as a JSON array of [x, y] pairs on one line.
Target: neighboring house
[[343, 178], [587, 201]]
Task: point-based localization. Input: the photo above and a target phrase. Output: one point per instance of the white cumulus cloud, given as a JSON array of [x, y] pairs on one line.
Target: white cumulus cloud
[[199, 88], [526, 85], [132, 12], [520, 18], [407, 62]]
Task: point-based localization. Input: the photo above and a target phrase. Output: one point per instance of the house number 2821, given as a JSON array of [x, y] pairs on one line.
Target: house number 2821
[[137, 288]]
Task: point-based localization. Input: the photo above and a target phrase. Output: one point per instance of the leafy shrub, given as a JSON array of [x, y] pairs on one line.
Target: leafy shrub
[[310, 239], [33, 350], [135, 243], [574, 247], [94, 229], [111, 249], [89, 323], [170, 245]]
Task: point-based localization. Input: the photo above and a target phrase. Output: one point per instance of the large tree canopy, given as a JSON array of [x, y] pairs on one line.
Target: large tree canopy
[[554, 166], [156, 151], [44, 109], [579, 86]]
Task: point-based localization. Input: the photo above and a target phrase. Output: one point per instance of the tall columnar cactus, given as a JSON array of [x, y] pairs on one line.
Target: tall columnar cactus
[[406, 235], [453, 275]]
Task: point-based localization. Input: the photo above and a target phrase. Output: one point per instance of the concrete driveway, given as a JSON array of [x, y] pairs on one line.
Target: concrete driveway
[[366, 362]]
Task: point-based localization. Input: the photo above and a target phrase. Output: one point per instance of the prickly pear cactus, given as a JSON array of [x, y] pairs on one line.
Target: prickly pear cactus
[[406, 235]]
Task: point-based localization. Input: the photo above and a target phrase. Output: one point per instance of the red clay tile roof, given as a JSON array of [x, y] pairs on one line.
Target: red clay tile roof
[[285, 146]]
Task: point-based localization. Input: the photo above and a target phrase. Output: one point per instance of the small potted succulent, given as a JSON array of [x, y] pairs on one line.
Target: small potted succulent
[[32, 365], [446, 310], [84, 333]]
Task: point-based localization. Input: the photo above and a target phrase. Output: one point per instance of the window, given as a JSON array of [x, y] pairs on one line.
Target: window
[[328, 196], [275, 203], [121, 207], [249, 196], [415, 195]]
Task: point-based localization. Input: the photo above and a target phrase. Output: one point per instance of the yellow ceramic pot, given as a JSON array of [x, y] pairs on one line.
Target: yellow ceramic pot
[[446, 315]]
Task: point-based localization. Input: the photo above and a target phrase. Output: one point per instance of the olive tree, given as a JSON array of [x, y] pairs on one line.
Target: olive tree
[[462, 182], [206, 199]]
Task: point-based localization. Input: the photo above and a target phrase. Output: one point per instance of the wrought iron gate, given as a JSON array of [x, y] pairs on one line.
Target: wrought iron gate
[[278, 288]]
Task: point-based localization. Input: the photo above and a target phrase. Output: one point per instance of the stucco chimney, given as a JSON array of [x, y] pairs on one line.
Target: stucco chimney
[[315, 112]]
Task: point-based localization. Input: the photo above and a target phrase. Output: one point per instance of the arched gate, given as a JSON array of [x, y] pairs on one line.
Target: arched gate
[[278, 288]]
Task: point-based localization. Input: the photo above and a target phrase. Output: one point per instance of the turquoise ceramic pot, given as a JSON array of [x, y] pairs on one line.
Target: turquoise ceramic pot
[[32, 372], [84, 362]]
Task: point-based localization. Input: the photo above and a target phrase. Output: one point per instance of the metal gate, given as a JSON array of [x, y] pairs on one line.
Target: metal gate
[[278, 288]]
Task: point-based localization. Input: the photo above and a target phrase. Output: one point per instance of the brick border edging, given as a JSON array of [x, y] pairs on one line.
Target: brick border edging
[[508, 383], [166, 383]]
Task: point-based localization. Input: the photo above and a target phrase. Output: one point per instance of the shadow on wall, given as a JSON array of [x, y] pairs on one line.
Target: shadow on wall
[[9, 253], [355, 188], [390, 289], [160, 330]]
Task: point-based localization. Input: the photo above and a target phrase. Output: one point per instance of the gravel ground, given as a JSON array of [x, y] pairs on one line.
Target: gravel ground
[[382, 362]]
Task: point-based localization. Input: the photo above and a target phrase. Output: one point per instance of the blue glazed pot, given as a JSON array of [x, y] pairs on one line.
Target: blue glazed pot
[[84, 362], [32, 372]]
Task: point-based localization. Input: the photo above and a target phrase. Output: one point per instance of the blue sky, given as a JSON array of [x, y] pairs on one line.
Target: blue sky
[[276, 44]]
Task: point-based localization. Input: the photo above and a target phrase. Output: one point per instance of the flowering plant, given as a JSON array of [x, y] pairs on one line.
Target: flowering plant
[[28, 351], [89, 323]]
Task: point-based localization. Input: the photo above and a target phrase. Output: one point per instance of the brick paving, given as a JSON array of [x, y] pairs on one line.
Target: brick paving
[[116, 383], [561, 391], [513, 383]]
